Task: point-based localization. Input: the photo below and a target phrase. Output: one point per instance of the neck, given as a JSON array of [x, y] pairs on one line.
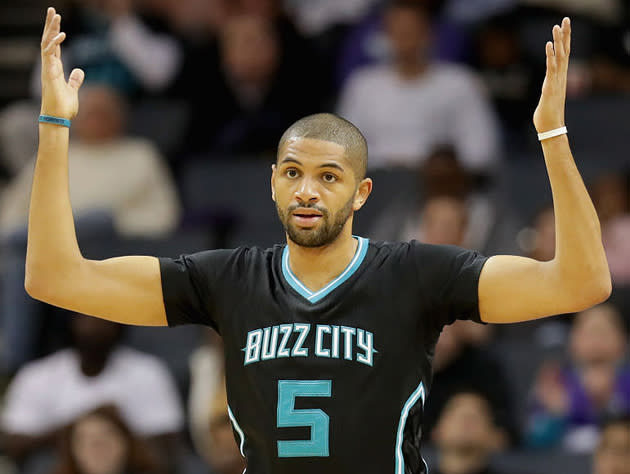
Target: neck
[[315, 267], [410, 68], [93, 364]]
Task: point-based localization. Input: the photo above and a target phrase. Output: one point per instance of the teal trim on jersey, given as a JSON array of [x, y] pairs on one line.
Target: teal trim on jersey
[[314, 297], [419, 393], [238, 430]]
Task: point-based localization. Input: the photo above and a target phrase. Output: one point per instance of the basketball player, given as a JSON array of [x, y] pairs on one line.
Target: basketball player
[[329, 338]]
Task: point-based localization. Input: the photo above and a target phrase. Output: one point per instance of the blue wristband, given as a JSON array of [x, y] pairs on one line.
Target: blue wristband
[[54, 120]]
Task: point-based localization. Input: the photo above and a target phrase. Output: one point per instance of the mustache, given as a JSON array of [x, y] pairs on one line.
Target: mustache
[[293, 207]]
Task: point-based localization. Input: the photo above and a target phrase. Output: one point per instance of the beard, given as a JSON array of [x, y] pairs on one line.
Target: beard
[[326, 233]]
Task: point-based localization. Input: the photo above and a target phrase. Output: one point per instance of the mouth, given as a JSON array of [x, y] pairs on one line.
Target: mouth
[[306, 217]]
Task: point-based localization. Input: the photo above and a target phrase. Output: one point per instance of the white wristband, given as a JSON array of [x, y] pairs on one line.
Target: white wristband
[[552, 133]]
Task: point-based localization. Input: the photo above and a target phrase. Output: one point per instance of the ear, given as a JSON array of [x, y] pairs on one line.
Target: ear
[[363, 191], [273, 187]]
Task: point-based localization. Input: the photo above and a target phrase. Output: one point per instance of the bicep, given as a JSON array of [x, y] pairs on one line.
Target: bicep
[[513, 289], [127, 290]]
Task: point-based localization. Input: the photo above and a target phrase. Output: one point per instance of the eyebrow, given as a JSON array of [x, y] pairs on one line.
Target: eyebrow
[[323, 165]]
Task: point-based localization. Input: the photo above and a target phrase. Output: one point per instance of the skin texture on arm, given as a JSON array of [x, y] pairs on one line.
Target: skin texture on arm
[[515, 288], [125, 289]]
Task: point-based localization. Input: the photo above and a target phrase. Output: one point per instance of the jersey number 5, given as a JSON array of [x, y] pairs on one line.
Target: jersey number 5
[[288, 417]]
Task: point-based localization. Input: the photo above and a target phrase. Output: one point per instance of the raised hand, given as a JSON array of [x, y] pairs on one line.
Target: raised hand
[[549, 114], [59, 98]]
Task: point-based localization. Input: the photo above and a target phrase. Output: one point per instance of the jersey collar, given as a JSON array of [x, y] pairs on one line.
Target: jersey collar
[[315, 296]]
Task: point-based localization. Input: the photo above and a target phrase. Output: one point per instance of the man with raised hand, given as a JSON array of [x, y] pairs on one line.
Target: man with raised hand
[[329, 338]]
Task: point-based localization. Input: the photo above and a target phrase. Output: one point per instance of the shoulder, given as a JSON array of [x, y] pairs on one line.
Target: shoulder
[[241, 256], [212, 265], [49, 367], [427, 259], [413, 248]]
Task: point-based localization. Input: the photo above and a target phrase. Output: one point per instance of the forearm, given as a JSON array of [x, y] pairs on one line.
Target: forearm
[[580, 259], [52, 244]]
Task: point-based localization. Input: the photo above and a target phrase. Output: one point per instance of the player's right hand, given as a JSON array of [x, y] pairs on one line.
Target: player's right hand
[[59, 98]]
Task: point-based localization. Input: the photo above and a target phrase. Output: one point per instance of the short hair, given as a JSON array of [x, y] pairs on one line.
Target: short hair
[[332, 128]]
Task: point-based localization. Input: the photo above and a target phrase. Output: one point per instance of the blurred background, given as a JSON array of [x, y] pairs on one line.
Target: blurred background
[[180, 115]]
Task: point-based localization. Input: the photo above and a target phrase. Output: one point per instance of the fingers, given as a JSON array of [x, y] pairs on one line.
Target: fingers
[[51, 29], [562, 38], [50, 12], [551, 57], [558, 51], [566, 28], [558, 45], [76, 78], [53, 45]]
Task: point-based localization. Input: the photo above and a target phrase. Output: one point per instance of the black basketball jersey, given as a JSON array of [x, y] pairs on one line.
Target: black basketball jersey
[[330, 381]]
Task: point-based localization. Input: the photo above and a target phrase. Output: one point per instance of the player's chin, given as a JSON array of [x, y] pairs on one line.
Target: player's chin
[[309, 237]]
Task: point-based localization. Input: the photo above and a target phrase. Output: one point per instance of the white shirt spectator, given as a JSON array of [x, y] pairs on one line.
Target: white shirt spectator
[[404, 119], [51, 392], [126, 177]]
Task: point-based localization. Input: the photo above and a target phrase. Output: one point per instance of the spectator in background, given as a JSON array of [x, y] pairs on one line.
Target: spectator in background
[[611, 197], [250, 66], [569, 401], [133, 182], [206, 379], [444, 221], [133, 185], [18, 137], [259, 94], [409, 106], [366, 43], [489, 226], [47, 395], [466, 435], [124, 43], [199, 84], [100, 442], [226, 457], [210, 425], [599, 58], [612, 455], [296, 48], [463, 363], [510, 77]]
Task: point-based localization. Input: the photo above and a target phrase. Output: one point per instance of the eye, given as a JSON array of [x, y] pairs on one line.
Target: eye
[[329, 177], [291, 173]]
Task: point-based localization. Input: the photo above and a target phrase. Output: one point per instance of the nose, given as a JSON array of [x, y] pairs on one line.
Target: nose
[[306, 191]]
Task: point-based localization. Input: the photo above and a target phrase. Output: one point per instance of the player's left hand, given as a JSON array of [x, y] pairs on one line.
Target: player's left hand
[[549, 114]]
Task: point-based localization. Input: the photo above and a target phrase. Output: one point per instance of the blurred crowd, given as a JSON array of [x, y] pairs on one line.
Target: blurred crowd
[[180, 115]]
